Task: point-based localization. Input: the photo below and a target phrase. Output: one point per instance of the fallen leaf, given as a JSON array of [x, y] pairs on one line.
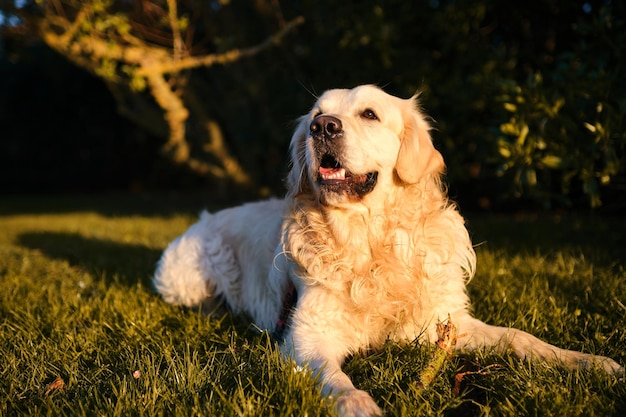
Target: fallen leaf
[[58, 383]]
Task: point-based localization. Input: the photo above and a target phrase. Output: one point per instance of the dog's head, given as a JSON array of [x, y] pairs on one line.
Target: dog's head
[[359, 142]]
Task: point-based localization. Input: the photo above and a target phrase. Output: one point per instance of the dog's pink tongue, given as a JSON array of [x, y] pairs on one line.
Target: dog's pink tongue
[[333, 174]]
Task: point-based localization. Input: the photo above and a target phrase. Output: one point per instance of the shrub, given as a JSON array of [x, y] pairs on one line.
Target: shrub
[[566, 125]]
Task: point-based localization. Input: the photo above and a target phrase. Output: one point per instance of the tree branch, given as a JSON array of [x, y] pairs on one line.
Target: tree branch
[[175, 114], [177, 43], [223, 58], [122, 57]]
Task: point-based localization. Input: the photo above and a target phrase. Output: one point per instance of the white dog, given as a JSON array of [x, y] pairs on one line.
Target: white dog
[[367, 238]]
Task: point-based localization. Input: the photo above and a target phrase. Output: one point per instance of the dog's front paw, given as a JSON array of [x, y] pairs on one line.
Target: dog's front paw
[[608, 364], [357, 403], [579, 360]]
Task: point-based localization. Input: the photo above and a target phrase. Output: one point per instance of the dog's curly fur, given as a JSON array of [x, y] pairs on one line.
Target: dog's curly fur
[[367, 236]]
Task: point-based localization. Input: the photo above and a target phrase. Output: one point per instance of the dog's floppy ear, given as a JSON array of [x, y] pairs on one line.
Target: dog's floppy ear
[[417, 156], [297, 178]]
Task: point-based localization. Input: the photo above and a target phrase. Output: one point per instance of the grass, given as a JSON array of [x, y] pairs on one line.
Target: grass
[[76, 304]]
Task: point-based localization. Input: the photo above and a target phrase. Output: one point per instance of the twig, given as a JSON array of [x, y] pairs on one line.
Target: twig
[[446, 333], [458, 378], [177, 43], [169, 66]]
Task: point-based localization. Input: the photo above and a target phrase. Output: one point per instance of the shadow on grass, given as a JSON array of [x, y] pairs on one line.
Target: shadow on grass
[[115, 204], [604, 239], [114, 261], [126, 264]]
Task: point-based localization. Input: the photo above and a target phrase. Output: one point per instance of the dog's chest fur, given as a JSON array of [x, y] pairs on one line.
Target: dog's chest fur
[[393, 270], [372, 271]]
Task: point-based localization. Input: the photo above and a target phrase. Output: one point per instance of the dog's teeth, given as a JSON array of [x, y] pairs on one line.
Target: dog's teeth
[[333, 174]]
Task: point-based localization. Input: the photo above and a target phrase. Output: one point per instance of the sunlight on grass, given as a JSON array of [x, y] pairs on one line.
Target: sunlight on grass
[[76, 304]]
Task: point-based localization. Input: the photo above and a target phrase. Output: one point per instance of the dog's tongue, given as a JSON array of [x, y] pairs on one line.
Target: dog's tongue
[[337, 174]]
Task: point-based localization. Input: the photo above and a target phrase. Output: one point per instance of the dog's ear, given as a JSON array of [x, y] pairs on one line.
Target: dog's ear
[[297, 178], [417, 156]]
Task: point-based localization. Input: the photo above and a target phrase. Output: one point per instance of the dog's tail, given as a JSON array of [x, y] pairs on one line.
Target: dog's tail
[[196, 266]]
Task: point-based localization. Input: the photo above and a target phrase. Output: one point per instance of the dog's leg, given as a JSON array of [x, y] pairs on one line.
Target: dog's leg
[[350, 401], [474, 333], [326, 363], [197, 266], [320, 338]]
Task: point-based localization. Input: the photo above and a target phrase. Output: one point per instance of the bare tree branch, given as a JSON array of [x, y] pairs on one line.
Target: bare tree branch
[[219, 59], [175, 115], [177, 43], [101, 42]]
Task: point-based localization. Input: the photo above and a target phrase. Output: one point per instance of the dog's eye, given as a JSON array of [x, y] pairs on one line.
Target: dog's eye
[[369, 114]]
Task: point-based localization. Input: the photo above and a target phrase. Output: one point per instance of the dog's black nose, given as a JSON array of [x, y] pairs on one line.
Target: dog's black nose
[[328, 126]]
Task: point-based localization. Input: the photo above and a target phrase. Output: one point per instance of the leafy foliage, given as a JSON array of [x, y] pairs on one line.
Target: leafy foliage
[[568, 127], [527, 98]]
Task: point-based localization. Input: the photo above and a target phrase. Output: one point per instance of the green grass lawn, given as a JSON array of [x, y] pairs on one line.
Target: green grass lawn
[[76, 304]]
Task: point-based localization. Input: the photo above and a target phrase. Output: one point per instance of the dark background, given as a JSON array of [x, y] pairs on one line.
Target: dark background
[[61, 132]]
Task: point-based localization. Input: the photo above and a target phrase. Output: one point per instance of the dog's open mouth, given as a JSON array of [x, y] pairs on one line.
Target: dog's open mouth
[[335, 178]]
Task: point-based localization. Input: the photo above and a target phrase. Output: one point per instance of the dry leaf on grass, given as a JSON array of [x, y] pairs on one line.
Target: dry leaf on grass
[[57, 384]]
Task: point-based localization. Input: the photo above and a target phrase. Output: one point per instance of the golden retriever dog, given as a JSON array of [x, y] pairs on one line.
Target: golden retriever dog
[[366, 237]]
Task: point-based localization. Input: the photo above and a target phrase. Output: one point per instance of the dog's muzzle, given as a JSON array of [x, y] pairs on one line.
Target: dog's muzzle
[[332, 177]]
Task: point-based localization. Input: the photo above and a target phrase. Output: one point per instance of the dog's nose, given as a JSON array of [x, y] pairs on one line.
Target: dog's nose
[[329, 126]]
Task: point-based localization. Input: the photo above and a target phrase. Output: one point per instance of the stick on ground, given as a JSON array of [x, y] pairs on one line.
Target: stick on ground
[[446, 333]]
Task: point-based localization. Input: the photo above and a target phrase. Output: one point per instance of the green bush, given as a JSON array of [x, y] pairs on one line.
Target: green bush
[[528, 98], [567, 126]]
